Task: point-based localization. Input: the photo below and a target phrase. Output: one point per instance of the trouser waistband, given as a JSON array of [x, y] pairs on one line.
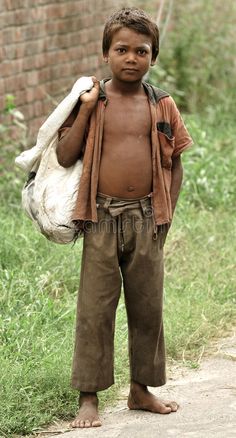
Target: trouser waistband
[[116, 206]]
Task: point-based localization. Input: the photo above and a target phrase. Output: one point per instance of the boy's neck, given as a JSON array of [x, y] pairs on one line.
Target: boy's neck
[[120, 87]]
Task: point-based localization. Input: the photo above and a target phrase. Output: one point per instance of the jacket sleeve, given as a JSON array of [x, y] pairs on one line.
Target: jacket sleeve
[[182, 139]]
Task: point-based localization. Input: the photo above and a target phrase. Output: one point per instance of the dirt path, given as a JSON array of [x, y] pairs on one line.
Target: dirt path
[[207, 398]]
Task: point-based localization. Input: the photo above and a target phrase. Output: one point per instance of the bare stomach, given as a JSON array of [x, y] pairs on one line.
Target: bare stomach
[[125, 174]]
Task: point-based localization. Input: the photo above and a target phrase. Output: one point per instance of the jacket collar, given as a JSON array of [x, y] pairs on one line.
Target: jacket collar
[[149, 90]]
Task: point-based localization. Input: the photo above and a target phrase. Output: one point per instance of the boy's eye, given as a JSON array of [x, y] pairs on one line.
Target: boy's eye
[[142, 52], [120, 50]]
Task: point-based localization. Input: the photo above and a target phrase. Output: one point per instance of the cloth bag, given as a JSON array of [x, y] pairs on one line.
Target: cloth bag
[[50, 193]]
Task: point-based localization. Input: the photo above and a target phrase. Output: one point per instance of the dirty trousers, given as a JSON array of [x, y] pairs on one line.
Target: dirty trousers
[[121, 246]]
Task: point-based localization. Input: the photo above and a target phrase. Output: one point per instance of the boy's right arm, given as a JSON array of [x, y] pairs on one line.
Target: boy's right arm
[[70, 145]]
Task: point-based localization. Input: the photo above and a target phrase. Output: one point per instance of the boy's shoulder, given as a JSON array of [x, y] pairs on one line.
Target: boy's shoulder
[[167, 104], [155, 94]]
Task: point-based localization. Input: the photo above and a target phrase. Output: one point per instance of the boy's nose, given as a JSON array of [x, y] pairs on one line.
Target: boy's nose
[[131, 57]]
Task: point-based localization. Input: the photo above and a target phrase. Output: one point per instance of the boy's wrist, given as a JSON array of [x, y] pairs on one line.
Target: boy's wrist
[[86, 107]]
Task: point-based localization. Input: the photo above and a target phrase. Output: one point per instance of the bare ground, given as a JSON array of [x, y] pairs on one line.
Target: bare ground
[[207, 398]]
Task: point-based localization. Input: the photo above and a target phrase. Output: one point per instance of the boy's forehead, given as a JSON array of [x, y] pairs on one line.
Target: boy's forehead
[[127, 37]]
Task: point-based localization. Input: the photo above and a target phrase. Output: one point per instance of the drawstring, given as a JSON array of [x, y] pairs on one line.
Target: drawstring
[[107, 203]]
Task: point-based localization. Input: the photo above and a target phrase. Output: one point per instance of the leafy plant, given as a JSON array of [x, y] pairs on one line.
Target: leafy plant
[[196, 62], [9, 103]]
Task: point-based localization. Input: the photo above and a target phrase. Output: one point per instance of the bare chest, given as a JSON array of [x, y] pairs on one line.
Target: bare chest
[[127, 118], [126, 165]]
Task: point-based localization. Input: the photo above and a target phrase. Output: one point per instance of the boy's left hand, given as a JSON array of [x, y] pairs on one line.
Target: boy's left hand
[[89, 99]]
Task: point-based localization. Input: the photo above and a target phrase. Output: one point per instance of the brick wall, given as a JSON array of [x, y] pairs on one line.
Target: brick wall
[[44, 46]]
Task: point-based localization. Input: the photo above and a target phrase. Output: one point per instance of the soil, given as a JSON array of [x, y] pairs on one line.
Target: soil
[[207, 405]]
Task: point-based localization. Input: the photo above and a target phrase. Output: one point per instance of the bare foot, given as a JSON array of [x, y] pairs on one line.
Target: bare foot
[[141, 398], [88, 411]]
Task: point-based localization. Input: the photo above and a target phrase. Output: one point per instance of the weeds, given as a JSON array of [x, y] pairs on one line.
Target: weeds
[[39, 282], [196, 64]]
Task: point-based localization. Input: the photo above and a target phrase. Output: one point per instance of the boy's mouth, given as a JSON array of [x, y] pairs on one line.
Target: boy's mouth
[[130, 69]]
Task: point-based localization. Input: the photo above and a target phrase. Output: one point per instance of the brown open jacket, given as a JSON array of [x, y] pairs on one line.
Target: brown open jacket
[[169, 137]]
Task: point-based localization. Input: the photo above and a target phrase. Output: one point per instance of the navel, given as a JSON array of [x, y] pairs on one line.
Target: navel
[[131, 189]]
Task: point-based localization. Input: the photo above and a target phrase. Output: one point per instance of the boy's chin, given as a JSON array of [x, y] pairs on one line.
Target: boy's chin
[[129, 77]]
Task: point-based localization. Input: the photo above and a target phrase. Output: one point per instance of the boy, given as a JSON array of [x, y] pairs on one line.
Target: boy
[[131, 137]]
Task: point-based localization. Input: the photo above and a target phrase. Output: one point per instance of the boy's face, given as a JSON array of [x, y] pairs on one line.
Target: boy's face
[[130, 55]]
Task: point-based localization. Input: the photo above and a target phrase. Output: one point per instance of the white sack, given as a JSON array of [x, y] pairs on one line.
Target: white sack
[[49, 197]]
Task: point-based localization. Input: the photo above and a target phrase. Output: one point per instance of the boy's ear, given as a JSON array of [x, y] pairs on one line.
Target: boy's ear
[[105, 57], [153, 62]]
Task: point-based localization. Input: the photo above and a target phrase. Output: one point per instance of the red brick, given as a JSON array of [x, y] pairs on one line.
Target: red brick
[[21, 17], [20, 50], [14, 83], [8, 36], [83, 37], [6, 67], [28, 64], [34, 126], [1, 106], [9, 4], [21, 81], [21, 98], [49, 105], [10, 51], [6, 19], [29, 94], [2, 54], [32, 78], [44, 75], [53, 11], [41, 60], [34, 47], [38, 14], [38, 108], [47, 46], [10, 85], [27, 110], [28, 32], [2, 86]]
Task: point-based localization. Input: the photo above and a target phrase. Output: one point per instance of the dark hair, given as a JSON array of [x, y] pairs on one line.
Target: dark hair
[[135, 19]]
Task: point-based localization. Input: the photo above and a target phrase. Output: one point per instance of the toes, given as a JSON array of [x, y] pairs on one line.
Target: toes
[[173, 405], [82, 424], [77, 423], [165, 410], [96, 423], [74, 423], [85, 424]]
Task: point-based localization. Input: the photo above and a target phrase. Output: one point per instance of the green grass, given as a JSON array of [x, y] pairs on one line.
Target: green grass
[[39, 282], [200, 282]]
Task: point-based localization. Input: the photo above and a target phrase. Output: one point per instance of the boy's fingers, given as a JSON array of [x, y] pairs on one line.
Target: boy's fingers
[[95, 81]]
